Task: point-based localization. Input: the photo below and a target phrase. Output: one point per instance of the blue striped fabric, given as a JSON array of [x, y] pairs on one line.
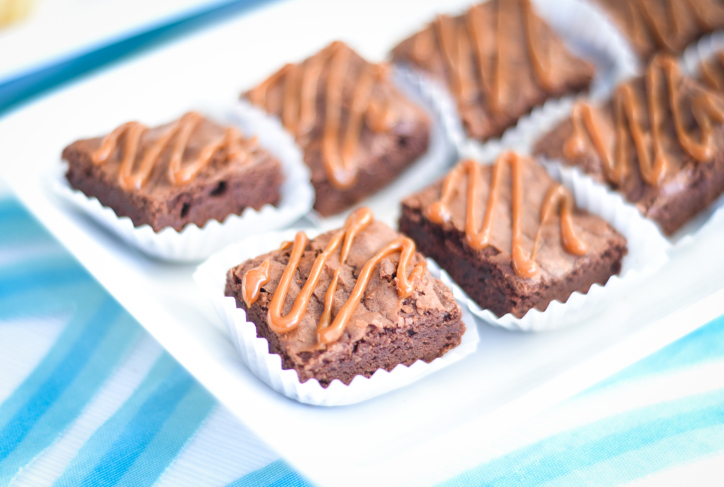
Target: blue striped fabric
[[104, 405], [143, 437]]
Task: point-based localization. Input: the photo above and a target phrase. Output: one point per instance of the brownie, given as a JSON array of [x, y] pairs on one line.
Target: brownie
[[685, 186], [357, 131], [652, 26], [385, 329], [499, 59], [488, 273], [191, 170]]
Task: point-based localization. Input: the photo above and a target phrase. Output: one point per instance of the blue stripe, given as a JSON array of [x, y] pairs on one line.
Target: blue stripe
[[81, 319], [68, 406], [146, 421], [51, 301], [53, 271], [65, 392], [11, 208], [149, 419], [276, 474], [178, 429], [90, 455], [20, 424], [568, 452], [699, 346], [18, 226]]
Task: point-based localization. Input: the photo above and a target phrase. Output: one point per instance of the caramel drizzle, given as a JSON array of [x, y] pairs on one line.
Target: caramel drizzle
[[181, 131], [711, 72], [557, 197], [328, 330], [627, 114], [457, 40], [667, 34], [299, 107]]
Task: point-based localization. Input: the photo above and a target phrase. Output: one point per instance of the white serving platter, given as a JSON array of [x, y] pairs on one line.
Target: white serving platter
[[418, 435]]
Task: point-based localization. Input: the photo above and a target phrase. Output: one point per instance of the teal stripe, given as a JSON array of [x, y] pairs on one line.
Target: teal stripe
[[74, 382], [188, 417], [572, 451], [89, 456], [18, 226], [56, 302], [40, 272], [11, 208], [276, 474], [670, 452], [143, 427], [83, 313], [702, 345]]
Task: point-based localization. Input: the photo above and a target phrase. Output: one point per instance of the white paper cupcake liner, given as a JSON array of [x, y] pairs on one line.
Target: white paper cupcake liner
[[194, 243], [583, 29], [254, 351], [647, 252]]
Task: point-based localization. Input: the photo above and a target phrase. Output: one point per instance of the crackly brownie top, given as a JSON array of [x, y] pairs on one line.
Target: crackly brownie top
[[515, 208], [639, 142], [366, 274], [664, 25], [337, 104], [496, 58], [162, 159]]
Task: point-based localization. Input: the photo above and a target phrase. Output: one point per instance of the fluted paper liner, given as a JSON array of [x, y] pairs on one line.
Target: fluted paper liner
[[254, 351], [195, 243], [647, 252]]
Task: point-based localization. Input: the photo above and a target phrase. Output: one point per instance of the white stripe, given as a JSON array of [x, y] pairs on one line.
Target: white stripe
[[118, 388], [25, 343], [222, 451], [45, 250]]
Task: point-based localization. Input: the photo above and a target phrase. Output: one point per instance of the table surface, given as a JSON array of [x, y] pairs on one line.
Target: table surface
[[86, 396]]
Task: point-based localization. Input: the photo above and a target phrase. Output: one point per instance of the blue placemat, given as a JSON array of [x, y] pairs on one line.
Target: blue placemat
[[87, 397]]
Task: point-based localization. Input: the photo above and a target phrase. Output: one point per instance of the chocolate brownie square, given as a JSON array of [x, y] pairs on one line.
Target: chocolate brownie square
[[191, 170], [347, 303], [653, 26], [670, 174], [510, 236], [357, 131], [499, 59]]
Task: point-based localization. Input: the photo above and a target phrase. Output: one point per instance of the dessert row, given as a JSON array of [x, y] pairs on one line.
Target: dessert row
[[358, 131], [508, 238]]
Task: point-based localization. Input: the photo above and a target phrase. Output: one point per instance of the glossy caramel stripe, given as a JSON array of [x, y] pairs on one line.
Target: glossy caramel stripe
[[299, 107], [667, 32], [461, 42], [711, 72], [627, 119], [180, 132], [329, 332], [558, 196]]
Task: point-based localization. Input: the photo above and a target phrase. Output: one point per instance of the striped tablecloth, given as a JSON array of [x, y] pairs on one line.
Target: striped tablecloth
[[87, 397]]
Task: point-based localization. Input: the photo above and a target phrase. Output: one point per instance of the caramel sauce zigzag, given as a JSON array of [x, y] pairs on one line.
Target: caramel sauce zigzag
[[556, 197], [329, 330]]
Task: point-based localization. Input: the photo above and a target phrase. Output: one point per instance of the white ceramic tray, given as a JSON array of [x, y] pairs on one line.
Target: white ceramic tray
[[418, 435]]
